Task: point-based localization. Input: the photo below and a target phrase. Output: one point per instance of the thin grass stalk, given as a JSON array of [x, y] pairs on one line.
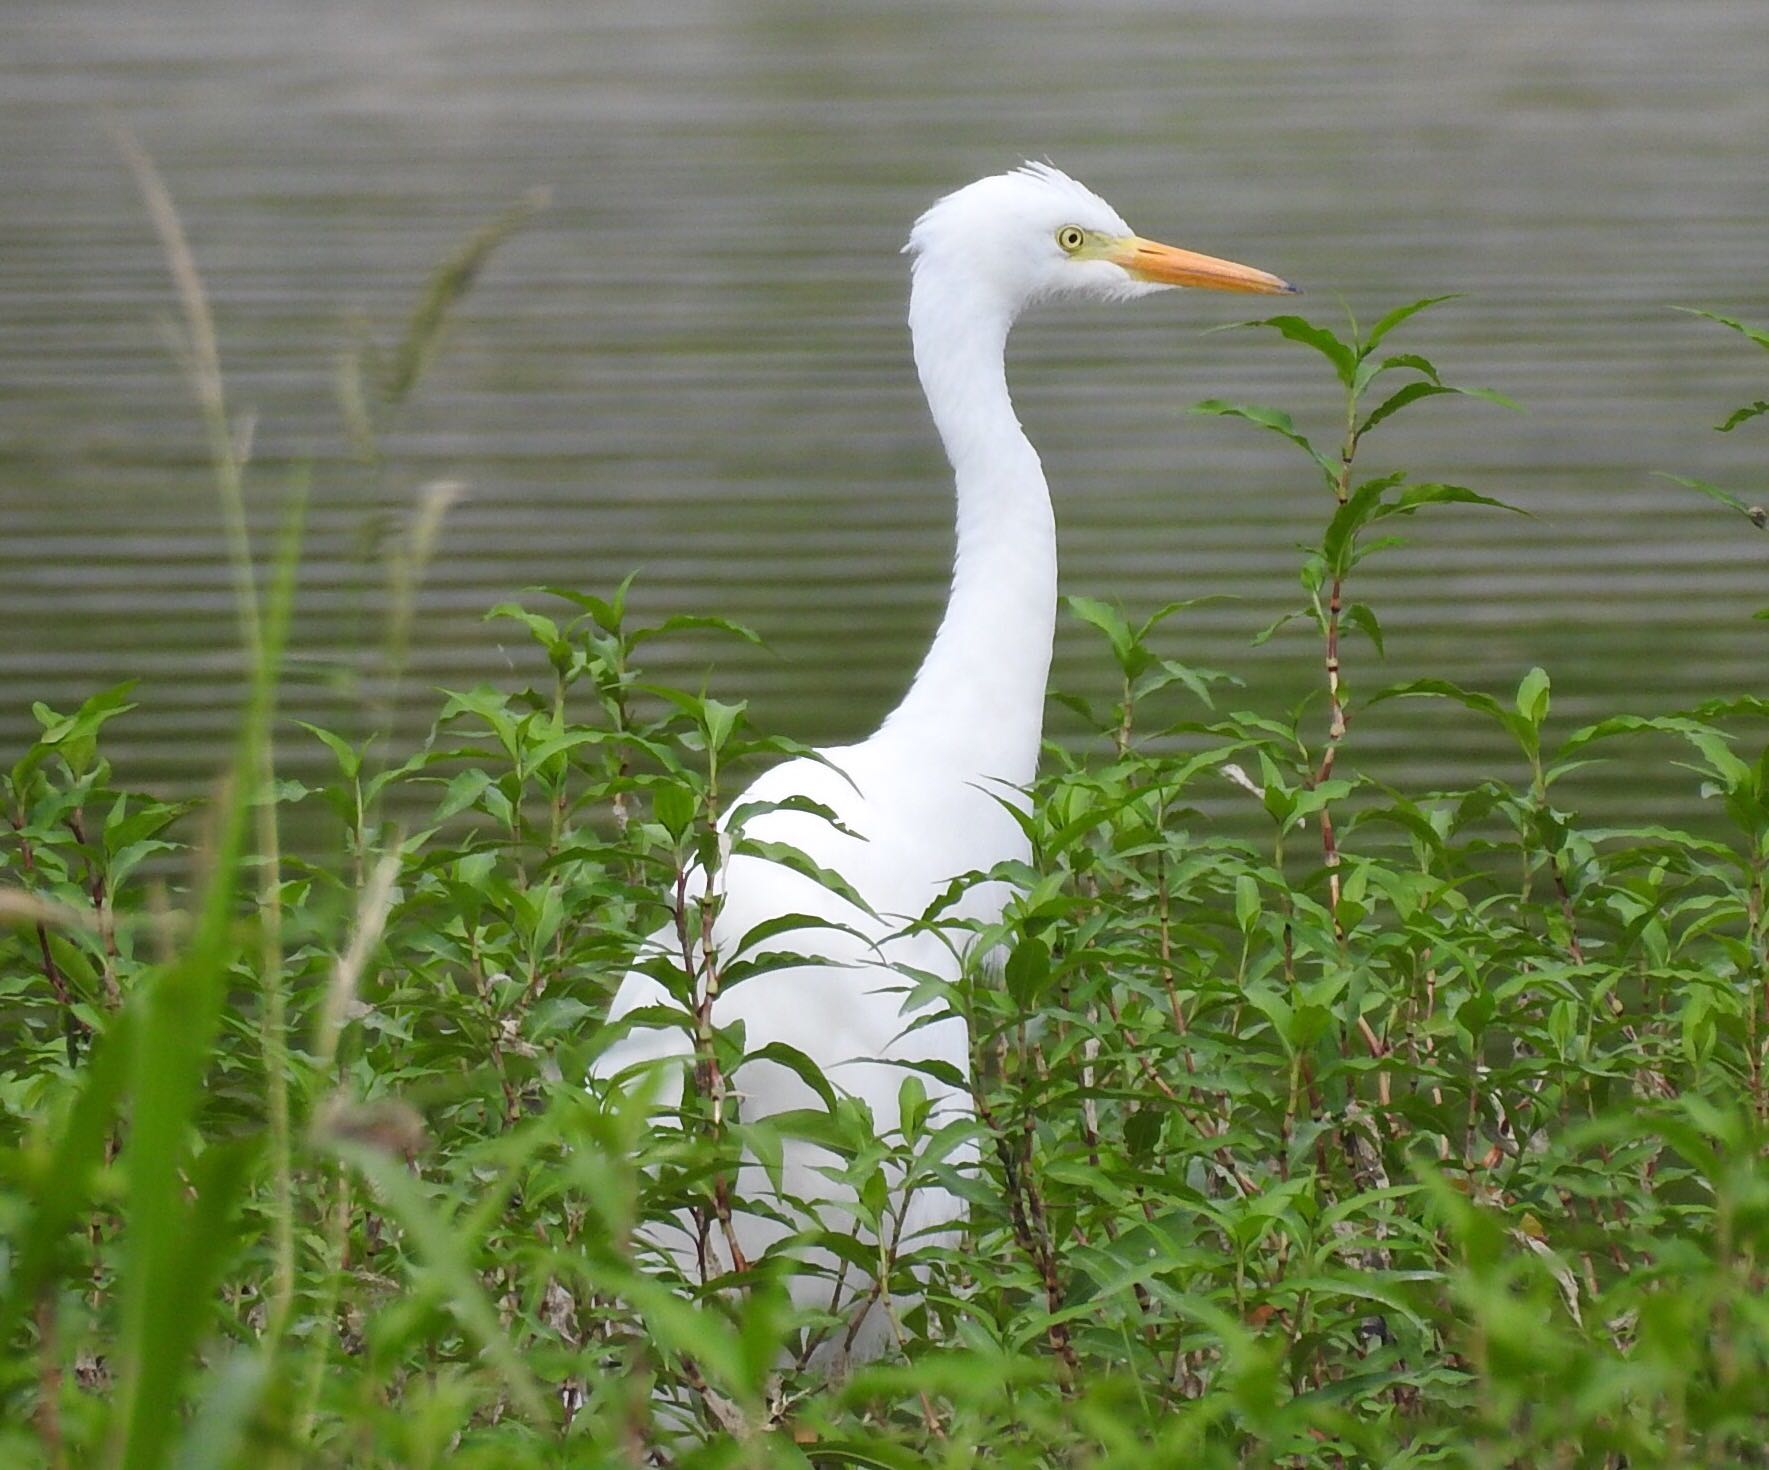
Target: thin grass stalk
[[254, 782], [174, 1246], [406, 570], [227, 455]]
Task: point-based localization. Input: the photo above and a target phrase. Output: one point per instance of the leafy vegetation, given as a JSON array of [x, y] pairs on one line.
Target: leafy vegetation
[[1428, 1127]]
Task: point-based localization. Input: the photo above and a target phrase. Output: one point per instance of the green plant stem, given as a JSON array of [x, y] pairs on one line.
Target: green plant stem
[[274, 1047], [1335, 704], [49, 1377]]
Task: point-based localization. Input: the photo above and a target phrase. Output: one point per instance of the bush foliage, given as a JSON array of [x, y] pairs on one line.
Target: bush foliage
[[1422, 1127]]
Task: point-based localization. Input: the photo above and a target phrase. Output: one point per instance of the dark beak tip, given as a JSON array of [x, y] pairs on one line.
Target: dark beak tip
[[1290, 290]]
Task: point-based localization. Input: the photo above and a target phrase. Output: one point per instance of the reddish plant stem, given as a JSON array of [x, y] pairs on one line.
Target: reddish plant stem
[[1335, 734], [1755, 938], [1335, 702], [1031, 1229], [58, 985], [101, 907], [1573, 947]]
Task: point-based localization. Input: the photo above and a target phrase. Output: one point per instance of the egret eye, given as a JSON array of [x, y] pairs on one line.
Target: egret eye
[[1070, 238]]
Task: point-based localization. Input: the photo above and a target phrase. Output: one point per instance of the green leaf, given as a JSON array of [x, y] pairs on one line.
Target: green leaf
[[912, 1105], [759, 934], [1171, 671], [1246, 903], [1743, 415], [65, 1180], [700, 622], [1635, 725], [1370, 368], [800, 1065], [1277, 421], [1471, 699], [218, 1179], [536, 757], [217, 1438], [1756, 334], [1360, 616], [1359, 508], [1027, 971], [1168, 609], [543, 630], [1532, 696], [348, 759], [720, 720], [739, 816], [178, 1017], [1389, 320], [1113, 624], [445, 1253], [1413, 497], [1265, 634], [74, 737], [1713, 492], [1300, 329], [791, 857], [1398, 400], [678, 1326], [675, 805], [1276, 1010], [1413, 392], [605, 614], [463, 790]]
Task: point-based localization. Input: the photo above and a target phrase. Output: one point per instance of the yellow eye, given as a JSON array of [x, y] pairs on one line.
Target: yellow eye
[[1071, 238]]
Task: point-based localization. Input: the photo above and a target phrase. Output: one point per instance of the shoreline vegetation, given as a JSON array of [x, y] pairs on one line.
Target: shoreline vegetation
[[1428, 1127]]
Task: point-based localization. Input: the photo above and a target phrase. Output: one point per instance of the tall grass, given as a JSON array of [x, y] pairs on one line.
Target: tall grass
[[1427, 1128]]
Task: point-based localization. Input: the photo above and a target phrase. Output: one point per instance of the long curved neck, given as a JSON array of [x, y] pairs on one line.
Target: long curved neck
[[977, 703]]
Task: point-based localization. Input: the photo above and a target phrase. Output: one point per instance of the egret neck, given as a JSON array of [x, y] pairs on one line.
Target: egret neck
[[977, 703]]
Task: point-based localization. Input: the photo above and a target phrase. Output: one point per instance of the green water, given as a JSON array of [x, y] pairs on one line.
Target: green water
[[695, 363]]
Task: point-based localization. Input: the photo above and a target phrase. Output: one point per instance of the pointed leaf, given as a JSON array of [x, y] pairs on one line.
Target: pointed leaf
[[1413, 497], [1112, 623], [800, 1065], [1756, 334], [1300, 329], [1361, 617], [1274, 419], [1744, 415], [349, 761], [1371, 368], [1265, 634], [1532, 696], [441, 1247], [697, 622], [1713, 492], [1388, 321]]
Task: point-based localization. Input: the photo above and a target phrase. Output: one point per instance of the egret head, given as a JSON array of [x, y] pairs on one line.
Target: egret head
[[1036, 234]]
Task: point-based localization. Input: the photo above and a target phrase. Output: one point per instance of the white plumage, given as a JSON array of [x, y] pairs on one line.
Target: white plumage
[[925, 797]]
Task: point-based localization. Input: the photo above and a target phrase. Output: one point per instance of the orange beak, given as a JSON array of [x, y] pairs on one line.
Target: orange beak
[[1147, 260]]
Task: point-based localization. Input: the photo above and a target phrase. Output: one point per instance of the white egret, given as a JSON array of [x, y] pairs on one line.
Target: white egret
[[923, 799]]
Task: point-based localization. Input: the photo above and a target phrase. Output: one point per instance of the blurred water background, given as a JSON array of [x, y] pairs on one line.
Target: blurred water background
[[694, 363]]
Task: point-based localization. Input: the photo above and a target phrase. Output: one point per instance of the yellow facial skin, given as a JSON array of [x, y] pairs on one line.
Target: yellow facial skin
[[1167, 265]]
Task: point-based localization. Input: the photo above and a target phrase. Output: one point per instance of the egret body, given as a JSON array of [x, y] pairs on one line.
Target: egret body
[[927, 798]]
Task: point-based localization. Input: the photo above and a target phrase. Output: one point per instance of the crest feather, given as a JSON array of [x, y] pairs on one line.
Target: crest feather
[[1088, 207]]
